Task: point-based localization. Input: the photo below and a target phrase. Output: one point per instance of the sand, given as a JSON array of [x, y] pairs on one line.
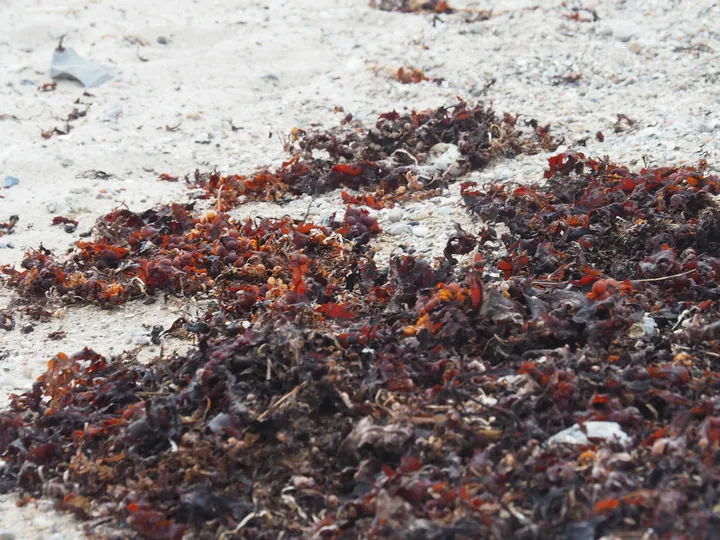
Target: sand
[[203, 85]]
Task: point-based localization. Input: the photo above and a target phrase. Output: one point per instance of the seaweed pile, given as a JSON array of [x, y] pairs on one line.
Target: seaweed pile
[[170, 249], [383, 160], [173, 249], [331, 397]]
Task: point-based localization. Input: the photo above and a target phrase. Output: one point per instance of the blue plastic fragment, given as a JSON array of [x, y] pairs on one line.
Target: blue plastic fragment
[[10, 181]]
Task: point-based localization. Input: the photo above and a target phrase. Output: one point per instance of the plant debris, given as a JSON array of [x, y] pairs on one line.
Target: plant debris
[[8, 226], [57, 335], [70, 224], [570, 78], [7, 322], [387, 158], [410, 75], [75, 114], [623, 123], [580, 14], [47, 87], [332, 397], [551, 376], [409, 6]]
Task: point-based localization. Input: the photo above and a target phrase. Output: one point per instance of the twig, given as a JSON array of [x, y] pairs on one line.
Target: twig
[[664, 277], [282, 400]]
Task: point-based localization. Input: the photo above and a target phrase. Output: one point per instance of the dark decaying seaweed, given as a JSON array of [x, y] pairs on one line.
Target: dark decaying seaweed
[[331, 397], [381, 159]]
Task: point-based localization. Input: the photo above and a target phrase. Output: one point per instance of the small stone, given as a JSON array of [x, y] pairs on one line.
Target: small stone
[[421, 231], [395, 215], [399, 228], [635, 47], [10, 181], [113, 112], [27, 82], [142, 340], [648, 132], [420, 213], [444, 211], [704, 128], [66, 163], [5, 535], [162, 40], [624, 30]]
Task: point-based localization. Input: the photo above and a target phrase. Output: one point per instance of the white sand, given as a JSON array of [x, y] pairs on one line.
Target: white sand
[[267, 66]]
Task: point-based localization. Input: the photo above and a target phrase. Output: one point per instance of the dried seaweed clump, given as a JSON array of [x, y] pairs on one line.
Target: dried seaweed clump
[[410, 75], [169, 249], [422, 400], [386, 158], [410, 6]]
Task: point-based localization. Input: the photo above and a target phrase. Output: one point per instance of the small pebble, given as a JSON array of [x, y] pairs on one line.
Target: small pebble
[[113, 112], [421, 231], [635, 47], [704, 128], [398, 229], [142, 340], [395, 215], [162, 40], [624, 30]]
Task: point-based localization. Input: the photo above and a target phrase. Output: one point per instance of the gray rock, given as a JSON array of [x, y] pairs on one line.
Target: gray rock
[[142, 340], [704, 127], [399, 228], [421, 231], [624, 30], [112, 113], [5, 535], [444, 211], [420, 213], [395, 215], [61, 207], [648, 132], [162, 40]]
